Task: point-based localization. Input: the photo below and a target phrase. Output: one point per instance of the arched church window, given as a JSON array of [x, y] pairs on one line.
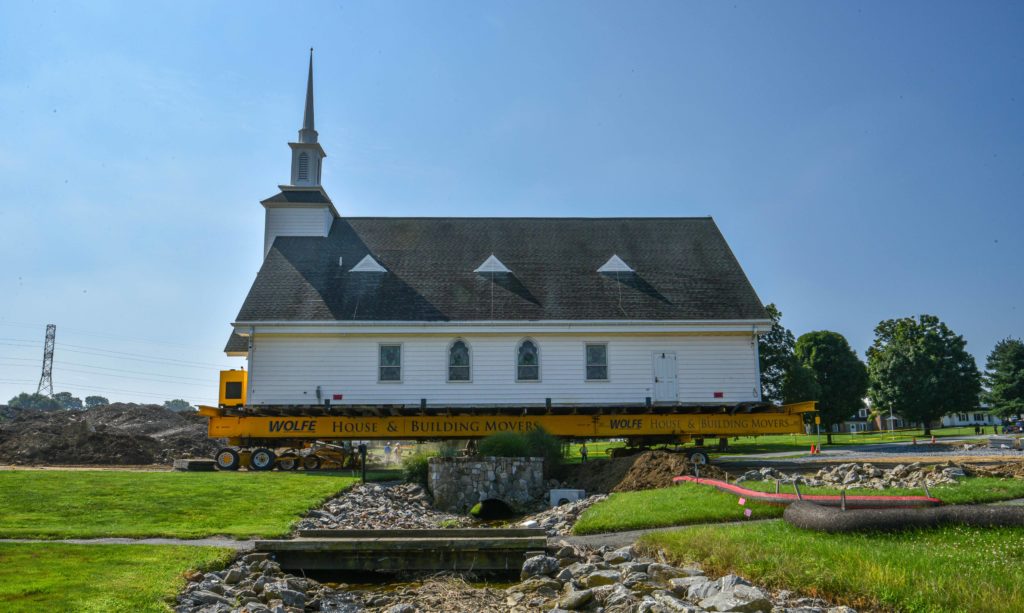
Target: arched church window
[[527, 361], [458, 361]]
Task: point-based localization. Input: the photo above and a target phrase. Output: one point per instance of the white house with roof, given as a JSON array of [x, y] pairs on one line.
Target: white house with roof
[[445, 313]]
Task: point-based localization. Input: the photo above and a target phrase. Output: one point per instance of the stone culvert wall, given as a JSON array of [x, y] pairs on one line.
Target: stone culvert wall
[[459, 483]]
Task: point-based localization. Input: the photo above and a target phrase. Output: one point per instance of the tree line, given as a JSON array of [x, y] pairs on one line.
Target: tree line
[[66, 401], [917, 367]]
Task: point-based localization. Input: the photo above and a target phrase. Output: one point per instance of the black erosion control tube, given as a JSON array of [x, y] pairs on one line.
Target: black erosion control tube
[[812, 516]]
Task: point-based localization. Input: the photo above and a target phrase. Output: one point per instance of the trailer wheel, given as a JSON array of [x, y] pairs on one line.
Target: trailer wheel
[[698, 457], [227, 459], [262, 459], [311, 462], [288, 462]]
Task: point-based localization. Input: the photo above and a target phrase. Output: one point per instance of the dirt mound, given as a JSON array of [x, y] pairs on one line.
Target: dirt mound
[[113, 434], [1012, 470], [644, 471]]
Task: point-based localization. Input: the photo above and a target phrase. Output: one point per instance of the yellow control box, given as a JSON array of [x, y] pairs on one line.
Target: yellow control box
[[233, 386]]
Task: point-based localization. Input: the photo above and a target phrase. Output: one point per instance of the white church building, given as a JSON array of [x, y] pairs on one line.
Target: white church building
[[452, 313]]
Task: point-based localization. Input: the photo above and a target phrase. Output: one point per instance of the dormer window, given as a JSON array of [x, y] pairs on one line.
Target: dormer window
[[492, 265], [368, 264], [304, 166], [615, 264]]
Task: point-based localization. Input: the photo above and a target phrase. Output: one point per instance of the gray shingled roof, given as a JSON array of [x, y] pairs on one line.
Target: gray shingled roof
[[684, 271], [236, 344], [299, 196]]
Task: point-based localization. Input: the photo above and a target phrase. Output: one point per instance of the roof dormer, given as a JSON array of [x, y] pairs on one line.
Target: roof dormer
[[615, 264], [492, 264], [368, 264]]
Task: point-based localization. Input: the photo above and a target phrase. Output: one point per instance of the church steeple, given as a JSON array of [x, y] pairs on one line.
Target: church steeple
[[307, 134], [307, 154]]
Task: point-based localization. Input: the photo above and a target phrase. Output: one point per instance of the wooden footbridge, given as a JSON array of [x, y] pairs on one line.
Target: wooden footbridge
[[472, 549]]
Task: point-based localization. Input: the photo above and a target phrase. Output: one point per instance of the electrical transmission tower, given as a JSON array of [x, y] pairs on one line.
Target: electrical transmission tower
[[46, 380]]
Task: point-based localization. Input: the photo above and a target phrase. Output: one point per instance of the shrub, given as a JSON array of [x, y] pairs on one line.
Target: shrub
[[416, 468], [536, 443], [505, 445], [544, 445]]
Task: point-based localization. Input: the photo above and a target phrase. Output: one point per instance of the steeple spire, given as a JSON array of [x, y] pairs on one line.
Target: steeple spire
[[307, 154], [308, 133]]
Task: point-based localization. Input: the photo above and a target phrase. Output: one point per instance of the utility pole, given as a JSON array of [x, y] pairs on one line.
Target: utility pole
[[46, 380]]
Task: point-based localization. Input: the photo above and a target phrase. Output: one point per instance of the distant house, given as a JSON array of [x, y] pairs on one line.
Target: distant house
[[974, 418], [859, 422]]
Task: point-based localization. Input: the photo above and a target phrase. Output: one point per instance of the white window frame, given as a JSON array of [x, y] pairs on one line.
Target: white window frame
[[448, 364], [607, 362], [401, 362], [515, 361]]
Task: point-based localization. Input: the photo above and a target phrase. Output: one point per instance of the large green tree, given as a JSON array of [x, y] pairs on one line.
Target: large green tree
[[68, 401], [841, 377], [95, 401], [920, 369], [799, 383], [25, 400], [1004, 377], [775, 357]]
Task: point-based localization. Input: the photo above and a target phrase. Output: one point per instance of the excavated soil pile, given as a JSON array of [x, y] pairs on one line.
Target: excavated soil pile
[[648, 470], [1013, 470], [113, 434]]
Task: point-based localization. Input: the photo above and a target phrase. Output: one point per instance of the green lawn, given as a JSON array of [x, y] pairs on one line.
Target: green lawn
[[84, 504], [101, 578], [671, 506], [972, 490], [802, 442], [948, 569], [773, 443]]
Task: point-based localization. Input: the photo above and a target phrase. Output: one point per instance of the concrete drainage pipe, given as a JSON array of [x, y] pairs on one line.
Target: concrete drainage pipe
[[811, 516]]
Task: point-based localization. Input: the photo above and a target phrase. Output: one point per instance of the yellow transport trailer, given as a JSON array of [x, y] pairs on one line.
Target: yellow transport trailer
[[318, 436]]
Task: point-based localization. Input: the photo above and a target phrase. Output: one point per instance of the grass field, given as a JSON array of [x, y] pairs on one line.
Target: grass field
[[85, 504], [949, 569], [775, 443], [97, 578], [972, 490], [671, 506]]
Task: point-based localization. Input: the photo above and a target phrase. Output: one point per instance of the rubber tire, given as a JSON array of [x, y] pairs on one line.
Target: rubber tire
[[230, 455], [311, 462], [288, 462], [698, 457], [262, 459]]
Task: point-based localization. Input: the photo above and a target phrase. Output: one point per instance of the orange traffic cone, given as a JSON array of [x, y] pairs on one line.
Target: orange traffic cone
[[813, 451]]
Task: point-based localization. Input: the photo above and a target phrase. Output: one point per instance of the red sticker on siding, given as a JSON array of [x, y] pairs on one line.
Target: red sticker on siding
[[719, 394], [338, 396]]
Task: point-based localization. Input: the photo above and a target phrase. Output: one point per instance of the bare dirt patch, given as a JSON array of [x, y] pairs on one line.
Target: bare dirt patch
[[116, 434], [644, 471]]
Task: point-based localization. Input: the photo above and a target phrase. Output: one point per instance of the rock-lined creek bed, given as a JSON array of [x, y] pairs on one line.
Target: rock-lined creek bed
[[406, 506], [566, 578]]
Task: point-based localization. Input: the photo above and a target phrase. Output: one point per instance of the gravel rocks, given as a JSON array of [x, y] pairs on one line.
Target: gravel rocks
[[614, 581], [378, 506], [865, 476], [558, 521]]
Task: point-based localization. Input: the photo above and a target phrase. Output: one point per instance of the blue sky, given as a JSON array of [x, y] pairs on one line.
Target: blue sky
[[864, 160]]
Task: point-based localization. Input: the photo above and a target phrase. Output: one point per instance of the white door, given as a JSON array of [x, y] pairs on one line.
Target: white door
[[666, 386]]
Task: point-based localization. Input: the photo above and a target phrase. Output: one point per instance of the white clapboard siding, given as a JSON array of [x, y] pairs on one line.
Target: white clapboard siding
[[287, 369], [295, 221]]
